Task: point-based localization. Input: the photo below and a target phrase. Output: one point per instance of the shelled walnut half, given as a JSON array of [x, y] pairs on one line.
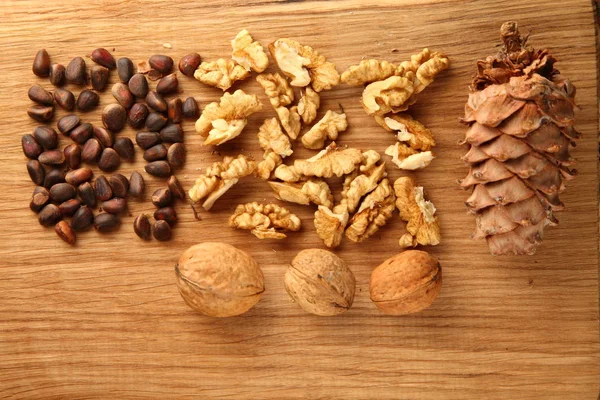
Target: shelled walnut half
[[328, 127], [394, 89], [368, 71], [422, 224], [276, 146], [408, 130], [314, 191], [222, 73], [303, 65], [330, 226], [280, 95], [271, 137], [357, 185], [308, 105], [225, 120], [219, 178], [413, 151], [328, 163], [249, 53], [265, 221], [374, 212]]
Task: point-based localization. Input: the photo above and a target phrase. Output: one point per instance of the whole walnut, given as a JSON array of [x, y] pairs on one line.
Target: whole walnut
[[320, 282], [406, 283], [219, 280]]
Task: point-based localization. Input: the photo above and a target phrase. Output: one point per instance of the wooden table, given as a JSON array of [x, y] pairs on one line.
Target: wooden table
[[104, 319]]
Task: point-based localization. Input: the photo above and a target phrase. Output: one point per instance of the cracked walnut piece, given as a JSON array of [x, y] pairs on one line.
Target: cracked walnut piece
[[375, 210], [399, 91], [221, 73], [309, 104], [406, 158], [265, 168], [370, 158], [287, 173], [219, 178], [313, 191], [290, 120], [330, 226], [271, 137], [232, 167], [303, 65], [277, 89], [368, 71], [391, 94], [328, 163], [327, 128], [422, 224], [265, 221], [358, 185], [280, 95], [225, 120], [426, 65], [249, 53], [408, 130]]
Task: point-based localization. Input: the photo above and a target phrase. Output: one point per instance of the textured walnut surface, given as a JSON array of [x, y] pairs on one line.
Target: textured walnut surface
[[104, 319]]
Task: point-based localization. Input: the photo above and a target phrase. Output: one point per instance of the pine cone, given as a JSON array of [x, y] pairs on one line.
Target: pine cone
[[520, 115]]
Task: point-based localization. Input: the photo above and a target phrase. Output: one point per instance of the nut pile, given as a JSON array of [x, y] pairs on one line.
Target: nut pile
[[65, 188], [368, 197]]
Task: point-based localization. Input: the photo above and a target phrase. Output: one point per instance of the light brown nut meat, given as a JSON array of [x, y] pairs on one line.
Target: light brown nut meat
[[290, 120], [271, 137], [264, 220], [221, 73], [370, 158], [330, 162], [308, 105], [232, 109], [388, 95], [425, 65], [356, 186], [220, 190], [224, 131], [219, 178], [375, 210], [422, 224], [277, 89], [249, 53], [265, 168], [406, 158], [232, 167], [398, 92], [368, 71], [288, 173], [303, 65], [313, 191], [408, 130], [324, 76], [203, 186], [327, 128], [330, 226]]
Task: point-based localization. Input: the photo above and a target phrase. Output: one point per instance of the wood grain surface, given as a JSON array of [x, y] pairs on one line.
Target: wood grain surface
[[104, 319]]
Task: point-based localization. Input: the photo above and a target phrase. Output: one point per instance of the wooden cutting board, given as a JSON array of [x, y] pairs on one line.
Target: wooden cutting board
[[104, 319]]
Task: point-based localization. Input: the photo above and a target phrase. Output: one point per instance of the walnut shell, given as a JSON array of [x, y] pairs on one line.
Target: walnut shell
[[219, 280], [406, 283], [320, 282]]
